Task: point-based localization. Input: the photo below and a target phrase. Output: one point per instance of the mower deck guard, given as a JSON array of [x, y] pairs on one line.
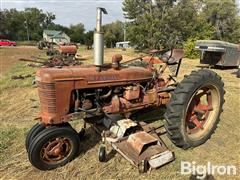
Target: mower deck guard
[[144, 147]]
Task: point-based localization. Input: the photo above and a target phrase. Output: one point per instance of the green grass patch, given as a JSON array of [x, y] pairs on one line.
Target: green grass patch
[[6, 136], [19, 69]]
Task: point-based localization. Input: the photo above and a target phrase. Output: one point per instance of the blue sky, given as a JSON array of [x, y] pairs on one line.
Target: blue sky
[[72, 11]]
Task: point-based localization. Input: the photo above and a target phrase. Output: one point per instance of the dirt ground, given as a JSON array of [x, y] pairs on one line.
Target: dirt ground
[[19, 106]]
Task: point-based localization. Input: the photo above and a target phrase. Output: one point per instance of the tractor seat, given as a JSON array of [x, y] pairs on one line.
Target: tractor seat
[[173, 56]]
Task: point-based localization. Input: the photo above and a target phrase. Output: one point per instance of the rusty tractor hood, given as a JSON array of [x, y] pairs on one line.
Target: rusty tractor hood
[[89, 74]]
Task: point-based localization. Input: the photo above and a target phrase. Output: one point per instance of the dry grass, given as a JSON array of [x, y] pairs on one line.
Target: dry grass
[[18, 112], [10, 55]]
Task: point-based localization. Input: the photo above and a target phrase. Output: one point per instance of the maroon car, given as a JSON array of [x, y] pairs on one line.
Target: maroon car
[[5, 42]]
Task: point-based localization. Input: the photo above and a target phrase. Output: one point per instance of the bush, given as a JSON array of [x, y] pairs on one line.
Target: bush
[[189, 49]]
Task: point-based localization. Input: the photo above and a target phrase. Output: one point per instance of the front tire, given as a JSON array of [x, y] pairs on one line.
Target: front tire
[[102, 154], [36, 129], [193, 112], [54, 147]]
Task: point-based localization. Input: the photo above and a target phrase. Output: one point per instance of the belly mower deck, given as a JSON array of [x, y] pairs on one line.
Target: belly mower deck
[[138, 143]]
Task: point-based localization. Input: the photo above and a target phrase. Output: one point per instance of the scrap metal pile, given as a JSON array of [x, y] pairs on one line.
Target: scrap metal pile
[[54, 61]]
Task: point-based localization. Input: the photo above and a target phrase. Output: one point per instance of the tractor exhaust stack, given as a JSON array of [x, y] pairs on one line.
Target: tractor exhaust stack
[[98, 40]]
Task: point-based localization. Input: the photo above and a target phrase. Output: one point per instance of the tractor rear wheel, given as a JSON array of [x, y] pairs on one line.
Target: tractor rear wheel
[[193, 112], [54, 147]]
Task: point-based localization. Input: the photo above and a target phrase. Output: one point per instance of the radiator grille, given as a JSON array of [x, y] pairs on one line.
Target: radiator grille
[[47, 96]]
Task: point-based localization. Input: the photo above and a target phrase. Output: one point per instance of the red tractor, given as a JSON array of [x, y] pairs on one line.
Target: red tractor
[[109, 95]]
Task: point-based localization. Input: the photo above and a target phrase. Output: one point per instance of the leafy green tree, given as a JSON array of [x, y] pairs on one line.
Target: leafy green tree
[[12, 27], [88, 39], [113, 33], [77, 33], [223, 16], [14, 24], [147, 22], [173, 23], [36, 21]]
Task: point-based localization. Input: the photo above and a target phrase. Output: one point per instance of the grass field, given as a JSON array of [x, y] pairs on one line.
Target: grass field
[[19, 106]]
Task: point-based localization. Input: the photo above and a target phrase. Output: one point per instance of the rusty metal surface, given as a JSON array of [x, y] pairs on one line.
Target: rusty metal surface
[[164, 97], [132, 92], [117, 58], [152, 60], [66, 79], [119, 104], [122, 126], [54, 61], [177, 55], [56, 150], [141, 139], [89, 75], [67, 49], [77, 80], [148, 145]]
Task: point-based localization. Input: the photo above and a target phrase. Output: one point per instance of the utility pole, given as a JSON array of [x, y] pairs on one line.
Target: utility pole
[[124, 31]]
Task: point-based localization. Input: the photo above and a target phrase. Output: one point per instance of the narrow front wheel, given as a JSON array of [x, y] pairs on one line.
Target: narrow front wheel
[[36, 129], [53, 147]]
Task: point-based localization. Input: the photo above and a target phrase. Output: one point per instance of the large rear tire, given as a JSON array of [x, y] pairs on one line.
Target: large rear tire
[[195, 106]]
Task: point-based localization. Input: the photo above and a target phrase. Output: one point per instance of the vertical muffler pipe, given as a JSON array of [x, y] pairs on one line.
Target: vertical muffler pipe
[[98, 40]]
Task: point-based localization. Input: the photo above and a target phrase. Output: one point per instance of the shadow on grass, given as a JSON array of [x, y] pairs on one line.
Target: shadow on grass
[[89, 140], [92, 138], [150, 115]]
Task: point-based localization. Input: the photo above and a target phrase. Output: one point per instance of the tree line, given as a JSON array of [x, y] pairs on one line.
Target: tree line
[[18, 25], [167, 23], [29, 24], [164, 23]]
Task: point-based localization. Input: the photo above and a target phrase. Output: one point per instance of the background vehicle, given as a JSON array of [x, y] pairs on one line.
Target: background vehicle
[[5, 42], [52, 37], [219, 53]]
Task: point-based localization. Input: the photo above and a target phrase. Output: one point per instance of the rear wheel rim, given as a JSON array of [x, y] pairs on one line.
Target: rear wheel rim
[[202, 112]]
